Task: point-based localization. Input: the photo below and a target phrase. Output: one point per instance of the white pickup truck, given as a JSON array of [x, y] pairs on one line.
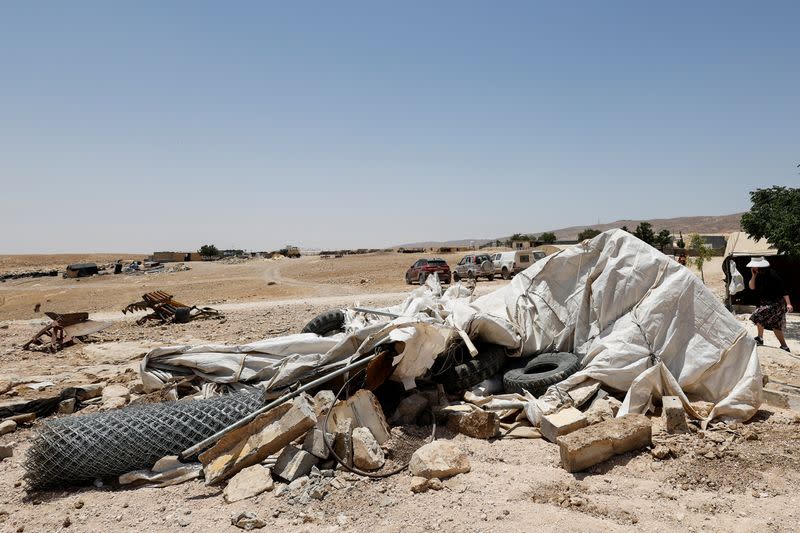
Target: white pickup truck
[[507, 264]]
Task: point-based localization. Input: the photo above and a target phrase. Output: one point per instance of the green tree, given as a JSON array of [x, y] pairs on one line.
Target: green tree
[[588, 233], [517, 237], [548, 237], [663, 239], [644, 231], [703, 252], [775, 216], [625, 228], [208, 250], [681, 243]]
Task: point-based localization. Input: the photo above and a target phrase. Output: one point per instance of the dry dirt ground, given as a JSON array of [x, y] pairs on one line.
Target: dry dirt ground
[[740, 478]]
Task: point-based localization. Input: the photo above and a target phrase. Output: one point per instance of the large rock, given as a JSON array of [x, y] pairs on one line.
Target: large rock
[[364, 410], [479, 424], [594, 444], [6, 451], [367, 453], [409, 409], [7, 426], [439, 459], [259, 439], [250, 482]]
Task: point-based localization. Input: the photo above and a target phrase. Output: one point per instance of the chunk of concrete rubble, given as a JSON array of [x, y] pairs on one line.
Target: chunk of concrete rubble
[[6, 451], [367, 453], [116, 391], [293, 463], [250, 482], [561, 423], [5, 386], [323, 401], [247, 520], [591, 445], [89, 391], [674, 415], [602, 409], [314, 443], [409, 409], [7, 426], [24, 418], [259, 439], [343, 441], [167, 463], [660, 451], [166, 478], [66, 407], [479, 424], [364, 410], [584, 392], [785, 399], [440, 459]]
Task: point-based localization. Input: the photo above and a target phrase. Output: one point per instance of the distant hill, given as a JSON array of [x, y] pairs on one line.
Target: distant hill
[[705, 224]]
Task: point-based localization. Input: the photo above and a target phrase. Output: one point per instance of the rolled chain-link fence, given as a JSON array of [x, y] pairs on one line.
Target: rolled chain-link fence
[[76, 449]]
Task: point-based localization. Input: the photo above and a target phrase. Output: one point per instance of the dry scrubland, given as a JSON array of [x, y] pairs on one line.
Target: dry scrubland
[[739, 479]]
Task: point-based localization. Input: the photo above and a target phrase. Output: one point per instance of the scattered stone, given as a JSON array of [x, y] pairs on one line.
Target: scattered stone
[[674, 415], [660, 451], [249, 482], [479, 424], [247, 520], [66, 407], [440, 459], [5, 386], [600, 410], [251, 444], [24, 418], [419, 484], [317, 491], [343, 441], [435, 484], [562, 423], [114, 402], [167, 463], [298, 484], [293, 463], [67, 522], [409, 409], [367, 453], [584, 392], [323, 401], [6, 451], [87, 392], [594, 444], [78, 504], [116, 391], [7, 426], [314, 443]]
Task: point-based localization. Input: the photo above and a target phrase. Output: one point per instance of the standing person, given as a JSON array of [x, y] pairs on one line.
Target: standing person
[[773, 301]]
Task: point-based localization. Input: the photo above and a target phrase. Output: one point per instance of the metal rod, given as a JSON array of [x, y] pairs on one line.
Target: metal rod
[[202, 445], [375, 312]]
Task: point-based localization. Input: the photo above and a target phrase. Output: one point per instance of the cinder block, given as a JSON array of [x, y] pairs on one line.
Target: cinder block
[[594, 444], [674, 414], [562, 423], [293, 463]]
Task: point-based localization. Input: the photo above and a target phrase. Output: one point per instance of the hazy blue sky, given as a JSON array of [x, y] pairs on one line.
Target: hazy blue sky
[[164, 125]]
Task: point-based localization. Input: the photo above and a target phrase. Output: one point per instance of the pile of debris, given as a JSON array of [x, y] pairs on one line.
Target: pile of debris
[[570, 351], [28, 274], [165, 309]]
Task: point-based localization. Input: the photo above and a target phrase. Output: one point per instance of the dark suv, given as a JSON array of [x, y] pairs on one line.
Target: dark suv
[[423, 268]]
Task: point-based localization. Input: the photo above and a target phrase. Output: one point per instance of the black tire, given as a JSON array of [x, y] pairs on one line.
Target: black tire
[[456, 277], [471, 274], [327, 323], [422, 278], [490, 277], [468, 371], [537, 374], [506, 274], [408, 280]]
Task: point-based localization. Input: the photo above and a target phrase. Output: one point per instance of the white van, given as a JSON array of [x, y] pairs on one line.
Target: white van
[[509, 263]]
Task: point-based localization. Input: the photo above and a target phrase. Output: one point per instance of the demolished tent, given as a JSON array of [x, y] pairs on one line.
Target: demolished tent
[[638, 321]]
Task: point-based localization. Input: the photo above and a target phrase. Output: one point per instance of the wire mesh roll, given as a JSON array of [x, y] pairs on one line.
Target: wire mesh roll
[[77, 449]]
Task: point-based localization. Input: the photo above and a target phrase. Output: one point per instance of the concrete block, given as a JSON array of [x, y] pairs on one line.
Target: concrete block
[[259, 439], [343, 441], [562, 423], [250, 482], [7, 426], [364, 410], [479, 424], [314, 443], [594, 444], [293, 463], [674, 415], [440, 459]]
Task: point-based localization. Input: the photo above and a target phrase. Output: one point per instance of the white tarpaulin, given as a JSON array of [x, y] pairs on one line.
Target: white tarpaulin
[[639, 321]]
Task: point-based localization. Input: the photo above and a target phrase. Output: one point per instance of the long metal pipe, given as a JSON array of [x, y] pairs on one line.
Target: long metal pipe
[[202, 445]]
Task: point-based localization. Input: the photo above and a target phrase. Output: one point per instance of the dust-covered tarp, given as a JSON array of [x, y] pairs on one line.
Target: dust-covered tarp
[[639, 321]]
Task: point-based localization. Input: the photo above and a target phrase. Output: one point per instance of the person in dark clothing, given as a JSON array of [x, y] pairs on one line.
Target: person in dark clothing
[[773, 301]]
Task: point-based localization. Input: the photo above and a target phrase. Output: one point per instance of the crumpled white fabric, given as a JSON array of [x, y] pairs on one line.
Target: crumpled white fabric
[[639, 321]]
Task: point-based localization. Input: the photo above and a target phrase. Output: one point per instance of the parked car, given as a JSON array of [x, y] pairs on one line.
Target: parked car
[[423, 268], [509, 263], [473, 266]]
